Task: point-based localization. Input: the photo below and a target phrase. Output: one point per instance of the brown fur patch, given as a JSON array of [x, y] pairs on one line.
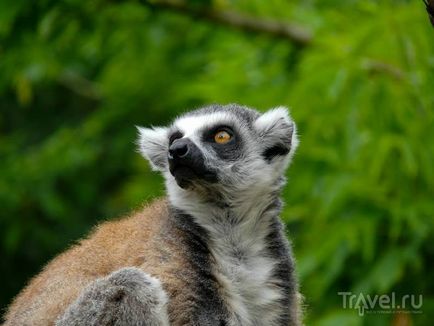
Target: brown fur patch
[[145, 240]]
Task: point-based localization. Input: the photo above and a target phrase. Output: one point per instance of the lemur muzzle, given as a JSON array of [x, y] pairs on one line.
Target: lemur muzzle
[[187, 163]]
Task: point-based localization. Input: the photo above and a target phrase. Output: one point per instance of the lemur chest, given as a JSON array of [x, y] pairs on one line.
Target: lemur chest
[[247, 283]]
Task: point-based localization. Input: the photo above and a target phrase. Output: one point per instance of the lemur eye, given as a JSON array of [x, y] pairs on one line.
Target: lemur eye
[[222, 137]]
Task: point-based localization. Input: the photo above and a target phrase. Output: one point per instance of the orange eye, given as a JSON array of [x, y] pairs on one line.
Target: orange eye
[[222, 137]]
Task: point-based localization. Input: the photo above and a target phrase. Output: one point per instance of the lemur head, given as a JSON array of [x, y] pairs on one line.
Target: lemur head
[[222, 150]]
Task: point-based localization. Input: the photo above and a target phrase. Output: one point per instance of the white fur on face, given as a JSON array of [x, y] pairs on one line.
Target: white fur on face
[[251, 176], [272, 127], [191, 125]]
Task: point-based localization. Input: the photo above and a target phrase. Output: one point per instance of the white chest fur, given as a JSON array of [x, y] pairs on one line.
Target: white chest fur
[[242, 264], [244, 270]]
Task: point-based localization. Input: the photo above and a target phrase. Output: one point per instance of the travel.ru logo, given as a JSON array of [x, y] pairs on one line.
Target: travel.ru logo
[[382, 304]]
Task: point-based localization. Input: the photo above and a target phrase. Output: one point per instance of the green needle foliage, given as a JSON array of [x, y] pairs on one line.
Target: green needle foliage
[[76, 76]]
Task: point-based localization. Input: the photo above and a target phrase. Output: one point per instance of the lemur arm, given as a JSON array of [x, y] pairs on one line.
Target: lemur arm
[[126, 297]]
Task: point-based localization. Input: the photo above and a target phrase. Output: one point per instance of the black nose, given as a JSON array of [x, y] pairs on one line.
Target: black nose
[[179, 149]]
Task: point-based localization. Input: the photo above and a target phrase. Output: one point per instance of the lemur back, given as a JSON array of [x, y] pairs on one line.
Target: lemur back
[[213, 253]]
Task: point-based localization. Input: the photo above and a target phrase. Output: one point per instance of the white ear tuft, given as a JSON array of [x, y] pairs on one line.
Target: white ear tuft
[[153, 145], [271, 117], [276, 129]]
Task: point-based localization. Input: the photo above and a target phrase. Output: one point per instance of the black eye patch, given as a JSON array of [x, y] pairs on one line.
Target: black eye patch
[[229, 151], [174, 136], [276, 150]]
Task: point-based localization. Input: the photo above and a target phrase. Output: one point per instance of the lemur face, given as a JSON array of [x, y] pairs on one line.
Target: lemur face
[[223, 148]]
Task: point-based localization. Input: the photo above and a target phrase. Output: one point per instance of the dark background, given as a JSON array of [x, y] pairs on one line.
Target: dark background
[[76, 76]]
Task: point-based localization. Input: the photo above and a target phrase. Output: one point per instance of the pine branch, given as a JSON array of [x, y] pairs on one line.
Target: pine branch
[[291, 32]]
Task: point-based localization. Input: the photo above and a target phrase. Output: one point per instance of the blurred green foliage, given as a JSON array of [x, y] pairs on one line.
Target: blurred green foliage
[[76, 76]]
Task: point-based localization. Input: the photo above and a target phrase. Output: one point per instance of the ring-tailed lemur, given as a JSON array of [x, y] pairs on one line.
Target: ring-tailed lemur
[[213, 253]]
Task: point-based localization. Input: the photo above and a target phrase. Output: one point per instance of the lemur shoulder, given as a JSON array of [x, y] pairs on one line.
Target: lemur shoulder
[[213, 253]]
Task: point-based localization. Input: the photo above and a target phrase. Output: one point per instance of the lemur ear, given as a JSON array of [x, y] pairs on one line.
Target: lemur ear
[[277, 132], [153, 145]]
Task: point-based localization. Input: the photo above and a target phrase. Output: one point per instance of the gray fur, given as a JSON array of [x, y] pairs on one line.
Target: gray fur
[[252, 259], [126, 297], [241, 264]]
